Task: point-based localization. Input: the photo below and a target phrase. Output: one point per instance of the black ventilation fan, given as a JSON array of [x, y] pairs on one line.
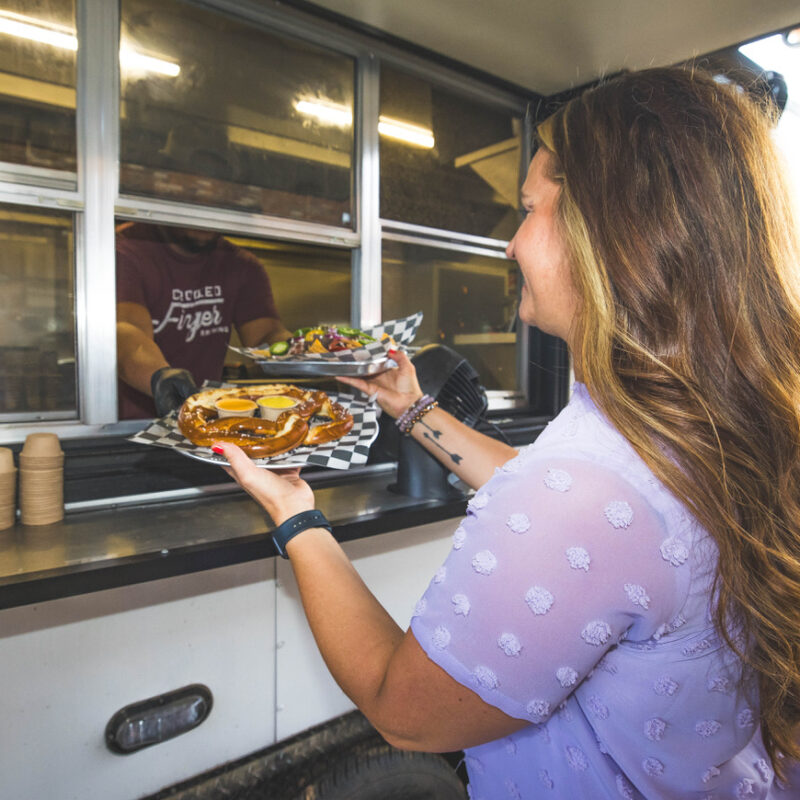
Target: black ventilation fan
[[453, 382]]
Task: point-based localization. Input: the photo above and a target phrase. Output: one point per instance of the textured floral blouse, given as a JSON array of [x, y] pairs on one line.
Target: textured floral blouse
[[576, 596]]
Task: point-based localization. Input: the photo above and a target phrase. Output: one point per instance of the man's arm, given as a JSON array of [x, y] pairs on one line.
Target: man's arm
[[138, 356], [261, 330]]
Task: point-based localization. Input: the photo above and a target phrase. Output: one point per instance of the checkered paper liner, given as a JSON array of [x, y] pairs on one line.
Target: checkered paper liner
[[349, 451], [403, 331]]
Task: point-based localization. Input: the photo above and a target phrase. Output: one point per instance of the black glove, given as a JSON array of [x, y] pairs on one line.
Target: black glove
[[171, 386]]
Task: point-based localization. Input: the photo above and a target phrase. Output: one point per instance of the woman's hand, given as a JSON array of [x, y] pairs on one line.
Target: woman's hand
[[280, 495], [396, 389]]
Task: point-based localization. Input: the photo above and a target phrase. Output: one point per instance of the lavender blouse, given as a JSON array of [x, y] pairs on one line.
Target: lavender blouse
[[576, 596]]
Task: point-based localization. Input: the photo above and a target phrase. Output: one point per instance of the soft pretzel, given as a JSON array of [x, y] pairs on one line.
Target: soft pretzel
[[341, 421], [200, 423]]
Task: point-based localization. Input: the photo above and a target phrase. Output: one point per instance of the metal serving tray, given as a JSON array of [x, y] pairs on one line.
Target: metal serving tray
[[298, 369], [279, 462]]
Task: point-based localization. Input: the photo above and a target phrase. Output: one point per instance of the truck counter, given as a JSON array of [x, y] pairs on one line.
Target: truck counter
[[103, 547]]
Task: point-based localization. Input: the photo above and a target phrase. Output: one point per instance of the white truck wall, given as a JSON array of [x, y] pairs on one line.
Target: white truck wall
[[67, 666]]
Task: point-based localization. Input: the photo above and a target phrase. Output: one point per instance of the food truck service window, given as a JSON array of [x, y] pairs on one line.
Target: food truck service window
[[369, 182], [217, 112]]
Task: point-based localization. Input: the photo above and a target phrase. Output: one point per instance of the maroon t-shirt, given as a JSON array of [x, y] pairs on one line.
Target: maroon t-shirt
[[194, 301]]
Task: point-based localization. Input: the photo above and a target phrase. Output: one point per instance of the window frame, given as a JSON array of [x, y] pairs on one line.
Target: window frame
[[92, 194]]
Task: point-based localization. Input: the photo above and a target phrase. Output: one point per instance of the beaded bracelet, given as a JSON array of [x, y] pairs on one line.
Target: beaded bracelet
[[406, 416], [416, 413], [418, 416]]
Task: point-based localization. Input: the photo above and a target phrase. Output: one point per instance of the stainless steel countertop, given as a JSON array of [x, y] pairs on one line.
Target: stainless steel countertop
[[114, 546]]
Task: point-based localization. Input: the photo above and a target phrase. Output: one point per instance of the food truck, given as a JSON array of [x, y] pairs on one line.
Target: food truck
[[368, 157]]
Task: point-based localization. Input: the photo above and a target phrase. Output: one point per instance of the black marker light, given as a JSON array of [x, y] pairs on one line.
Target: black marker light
[[157, 719]]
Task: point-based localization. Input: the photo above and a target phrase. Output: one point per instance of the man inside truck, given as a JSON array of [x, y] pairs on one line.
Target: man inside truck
[[180, 291], [179, 294]]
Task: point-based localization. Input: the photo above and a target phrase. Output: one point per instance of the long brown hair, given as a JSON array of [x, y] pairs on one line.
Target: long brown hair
[[684, 252]]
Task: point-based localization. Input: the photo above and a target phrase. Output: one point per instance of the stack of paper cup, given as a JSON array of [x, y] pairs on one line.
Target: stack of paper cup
[[41, 480], [8, 489]]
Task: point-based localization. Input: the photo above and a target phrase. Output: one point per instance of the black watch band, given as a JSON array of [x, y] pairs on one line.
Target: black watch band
[[294, 525]]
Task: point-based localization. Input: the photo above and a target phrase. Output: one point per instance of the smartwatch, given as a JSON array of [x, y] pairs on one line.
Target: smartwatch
[[296, 524]]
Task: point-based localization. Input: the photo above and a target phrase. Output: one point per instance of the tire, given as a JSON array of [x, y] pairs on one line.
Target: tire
[[381, 772]]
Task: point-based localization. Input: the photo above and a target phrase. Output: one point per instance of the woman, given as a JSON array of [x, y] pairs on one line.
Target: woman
[[620, 613]]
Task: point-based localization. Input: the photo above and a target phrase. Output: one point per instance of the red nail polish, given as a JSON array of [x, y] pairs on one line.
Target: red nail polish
[[392, 352], [218, 449]]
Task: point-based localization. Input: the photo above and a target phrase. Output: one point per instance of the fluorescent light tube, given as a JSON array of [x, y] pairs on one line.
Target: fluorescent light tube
[[406, 132], [329, 113], [37, 30]]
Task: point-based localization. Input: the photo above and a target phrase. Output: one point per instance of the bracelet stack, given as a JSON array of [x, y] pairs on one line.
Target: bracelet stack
[[414, 413]]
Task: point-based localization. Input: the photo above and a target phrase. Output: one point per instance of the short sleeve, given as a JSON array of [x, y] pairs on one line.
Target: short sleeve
[[553, 565], [254, 298]]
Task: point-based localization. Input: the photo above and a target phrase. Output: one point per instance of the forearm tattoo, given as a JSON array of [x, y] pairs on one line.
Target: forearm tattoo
[[432, 435]]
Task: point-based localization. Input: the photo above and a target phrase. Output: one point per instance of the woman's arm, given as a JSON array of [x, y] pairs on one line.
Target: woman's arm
[[411, 701], [471, 455]]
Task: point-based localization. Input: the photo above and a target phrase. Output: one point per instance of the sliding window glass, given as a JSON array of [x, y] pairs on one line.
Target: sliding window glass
[[469, 303], [37, 83], [37, 318], [447, 161], [311, 285], [218, 112]]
